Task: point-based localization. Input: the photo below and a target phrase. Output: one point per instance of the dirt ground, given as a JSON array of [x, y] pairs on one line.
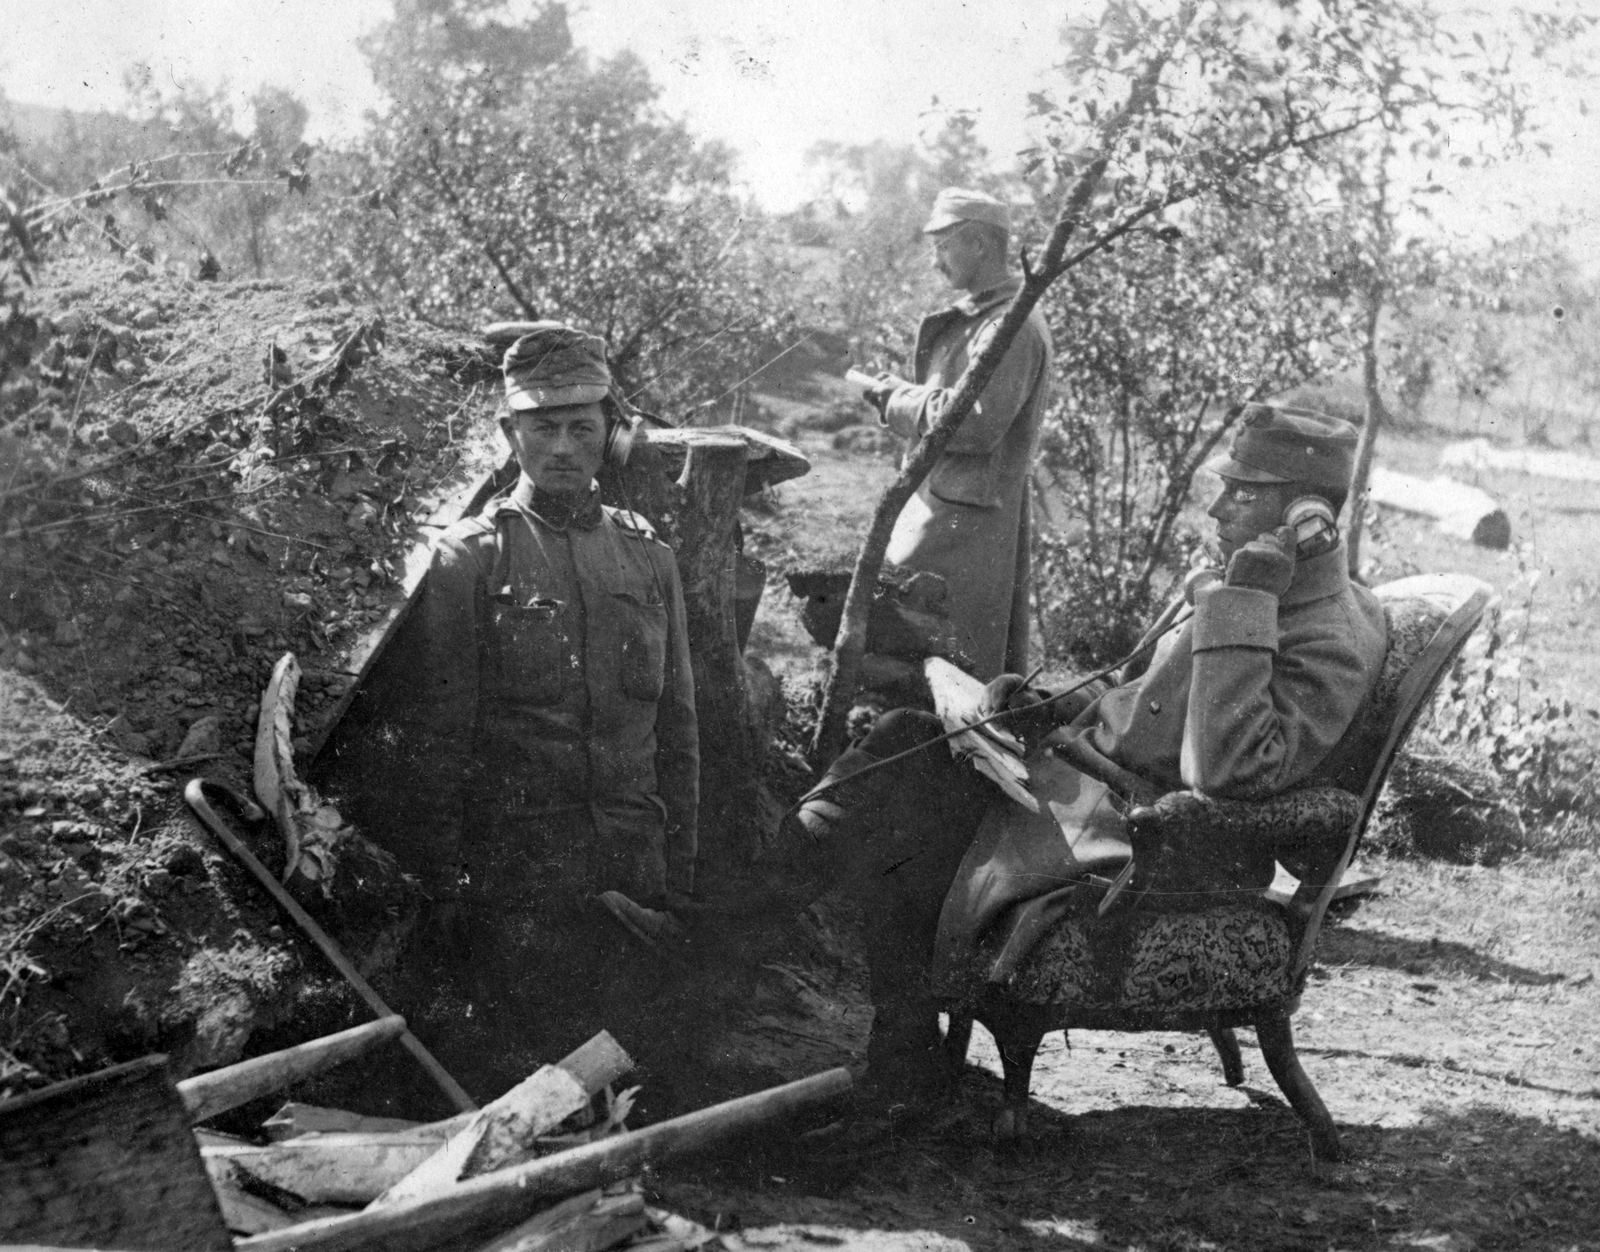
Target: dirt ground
[[1451, 1017]]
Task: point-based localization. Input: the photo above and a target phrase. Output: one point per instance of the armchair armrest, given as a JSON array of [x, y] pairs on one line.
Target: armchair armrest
[[1316, 815], [1189, 845]]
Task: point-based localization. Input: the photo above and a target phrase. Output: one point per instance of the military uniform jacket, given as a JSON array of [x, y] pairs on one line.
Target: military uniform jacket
[[557, 679], [1248, 697]]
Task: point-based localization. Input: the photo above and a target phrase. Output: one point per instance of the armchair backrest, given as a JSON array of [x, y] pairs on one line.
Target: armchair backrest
[[1429, 618]]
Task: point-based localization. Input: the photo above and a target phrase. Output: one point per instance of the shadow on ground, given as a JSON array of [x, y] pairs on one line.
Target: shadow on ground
[[1344, 945], [1148, 1177]]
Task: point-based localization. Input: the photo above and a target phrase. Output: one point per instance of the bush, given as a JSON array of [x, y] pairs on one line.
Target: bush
[[547, 187], [1496, 741]]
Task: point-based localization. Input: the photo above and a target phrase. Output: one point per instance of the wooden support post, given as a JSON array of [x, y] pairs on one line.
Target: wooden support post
[[690, 483], [503, 1132]]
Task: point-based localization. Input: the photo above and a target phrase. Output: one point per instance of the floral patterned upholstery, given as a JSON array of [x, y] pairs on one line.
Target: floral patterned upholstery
[[1185, 955]]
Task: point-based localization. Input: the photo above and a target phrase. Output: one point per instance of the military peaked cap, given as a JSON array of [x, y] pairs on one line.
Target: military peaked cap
[[955, 205], [1277, 444], [556, 365]]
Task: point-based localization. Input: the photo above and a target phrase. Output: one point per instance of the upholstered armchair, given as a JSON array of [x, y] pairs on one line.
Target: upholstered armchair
[[1213, 962]]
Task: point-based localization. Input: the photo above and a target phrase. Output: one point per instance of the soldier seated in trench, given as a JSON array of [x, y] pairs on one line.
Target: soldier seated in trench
[[1249, 696], [559, 719]]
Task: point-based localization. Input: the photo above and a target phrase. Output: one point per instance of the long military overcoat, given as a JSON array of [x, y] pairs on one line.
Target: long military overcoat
[[969, 520]]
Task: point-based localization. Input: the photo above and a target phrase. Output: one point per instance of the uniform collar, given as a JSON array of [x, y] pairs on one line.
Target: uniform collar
[[977, 302], [1318, 577], [558, 512]]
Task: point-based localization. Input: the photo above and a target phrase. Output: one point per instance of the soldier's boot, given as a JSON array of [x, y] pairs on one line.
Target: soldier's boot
[[655, 928], [906, 1069]]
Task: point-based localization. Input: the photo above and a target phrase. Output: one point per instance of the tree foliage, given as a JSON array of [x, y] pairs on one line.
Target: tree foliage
[[177, 176], [1449, 90], [535, 183], [1157, 345]]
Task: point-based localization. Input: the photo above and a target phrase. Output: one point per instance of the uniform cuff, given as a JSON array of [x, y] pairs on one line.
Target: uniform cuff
[[903, 413], [1235, 617]]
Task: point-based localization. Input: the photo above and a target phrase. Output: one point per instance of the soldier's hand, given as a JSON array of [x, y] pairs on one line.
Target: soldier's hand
[[878, 394], [1026, 714], [1266, 563]]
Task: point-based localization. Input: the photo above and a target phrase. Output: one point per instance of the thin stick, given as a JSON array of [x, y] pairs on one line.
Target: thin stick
[[195, 795]]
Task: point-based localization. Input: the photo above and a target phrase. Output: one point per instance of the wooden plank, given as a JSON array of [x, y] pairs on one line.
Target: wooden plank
[[295, 1119], [503, 1132], [206, 1095], [481, 1206], [244, 1213], [108, 1160], [336, 1168]]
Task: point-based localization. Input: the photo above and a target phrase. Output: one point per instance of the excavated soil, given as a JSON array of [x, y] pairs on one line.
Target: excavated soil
[[194, 479]]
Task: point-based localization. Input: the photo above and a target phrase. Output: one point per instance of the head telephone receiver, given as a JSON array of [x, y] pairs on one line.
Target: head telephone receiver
[[1315, 526], [621, 427]]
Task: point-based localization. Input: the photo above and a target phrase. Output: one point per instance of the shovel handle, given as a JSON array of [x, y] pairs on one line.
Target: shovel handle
[[195, 795]]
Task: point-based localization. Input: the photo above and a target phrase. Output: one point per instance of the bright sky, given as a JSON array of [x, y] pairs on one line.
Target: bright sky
[[770, 77]]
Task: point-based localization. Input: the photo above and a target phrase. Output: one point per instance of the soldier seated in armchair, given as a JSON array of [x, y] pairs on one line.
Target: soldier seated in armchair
[[1247, 694]]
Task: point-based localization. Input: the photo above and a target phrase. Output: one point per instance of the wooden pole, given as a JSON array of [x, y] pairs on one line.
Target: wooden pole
[[206, 1095], [194, 794], [481, 1206]]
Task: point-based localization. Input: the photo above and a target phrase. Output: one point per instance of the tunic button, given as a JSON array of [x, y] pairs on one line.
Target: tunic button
[[1155, 706]]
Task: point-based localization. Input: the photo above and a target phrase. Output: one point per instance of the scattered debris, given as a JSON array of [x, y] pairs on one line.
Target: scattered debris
[[469, 1177]]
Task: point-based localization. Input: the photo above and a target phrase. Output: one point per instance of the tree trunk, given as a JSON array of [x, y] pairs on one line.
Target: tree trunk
[[690, 482], [844, 676]]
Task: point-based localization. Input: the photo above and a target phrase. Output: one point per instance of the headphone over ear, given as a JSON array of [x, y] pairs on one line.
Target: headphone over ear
[[621, 427]]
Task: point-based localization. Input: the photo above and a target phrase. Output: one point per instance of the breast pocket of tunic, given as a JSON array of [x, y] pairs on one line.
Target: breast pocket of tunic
[[643, 628], [530, 647]]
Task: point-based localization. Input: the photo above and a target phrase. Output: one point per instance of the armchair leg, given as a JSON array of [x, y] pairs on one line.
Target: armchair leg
[[1227, 1045], [1277, 1047]]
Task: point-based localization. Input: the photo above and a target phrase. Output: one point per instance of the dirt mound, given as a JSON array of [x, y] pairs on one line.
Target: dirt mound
[[194, 479]]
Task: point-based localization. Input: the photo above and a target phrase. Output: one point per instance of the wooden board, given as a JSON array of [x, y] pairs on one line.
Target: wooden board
[[106, 1160], [339, 1168], [483, 1206], [295, 1119]]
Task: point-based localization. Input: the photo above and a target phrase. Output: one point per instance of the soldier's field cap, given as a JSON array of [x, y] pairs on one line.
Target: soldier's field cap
[[555, 365], [955, 205], [1277, 444]]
